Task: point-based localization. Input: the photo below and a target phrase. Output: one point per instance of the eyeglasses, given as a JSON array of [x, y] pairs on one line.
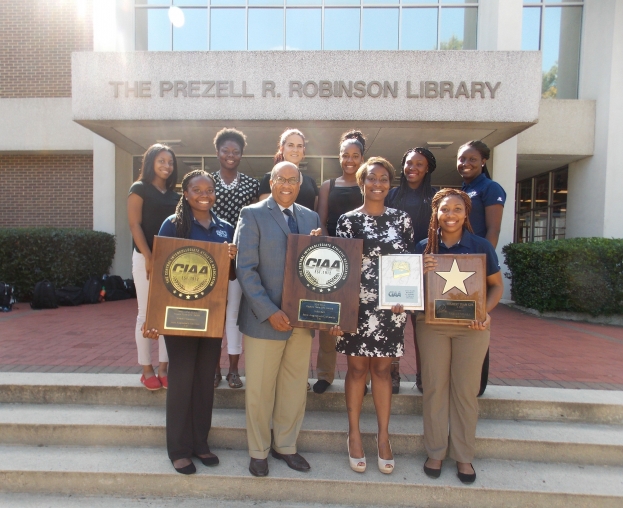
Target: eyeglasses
[[292, 181]]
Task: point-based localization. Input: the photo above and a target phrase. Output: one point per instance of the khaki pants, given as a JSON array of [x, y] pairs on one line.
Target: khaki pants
[[452, 359], [327, 355], [276, 390]]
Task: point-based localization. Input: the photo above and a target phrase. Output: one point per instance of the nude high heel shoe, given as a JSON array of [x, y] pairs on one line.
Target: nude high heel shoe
[[385, 466], [357, 465]]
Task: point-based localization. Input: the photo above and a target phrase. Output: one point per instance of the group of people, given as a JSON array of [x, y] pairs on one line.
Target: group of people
[[254, 219]]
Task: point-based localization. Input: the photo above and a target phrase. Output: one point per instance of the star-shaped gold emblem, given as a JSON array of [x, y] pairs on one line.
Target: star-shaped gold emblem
[[455, 278]]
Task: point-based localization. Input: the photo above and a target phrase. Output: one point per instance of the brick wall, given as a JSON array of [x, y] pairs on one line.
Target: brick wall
[[36, 41], [46, 190]]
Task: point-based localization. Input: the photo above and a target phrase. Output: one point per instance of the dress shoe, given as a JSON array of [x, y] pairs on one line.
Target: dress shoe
[[385, 466], [151, 383], [430, 472], [357, 465], [189, 469], [258, 467], [466, 477], [321, 386], [293, 460], [208, 461], [418, 382]]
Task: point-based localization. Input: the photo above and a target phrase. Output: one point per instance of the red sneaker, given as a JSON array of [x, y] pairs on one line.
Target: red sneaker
[[152, 383], [164, 381]]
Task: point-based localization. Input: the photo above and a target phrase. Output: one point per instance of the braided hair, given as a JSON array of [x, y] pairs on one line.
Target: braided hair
[[424, 208], [482, 149], [355, 135], [183, 213], [282, 141], [147, 172], [432, 247]]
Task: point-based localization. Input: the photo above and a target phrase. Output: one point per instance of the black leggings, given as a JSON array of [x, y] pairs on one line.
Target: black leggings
[[192, 362]]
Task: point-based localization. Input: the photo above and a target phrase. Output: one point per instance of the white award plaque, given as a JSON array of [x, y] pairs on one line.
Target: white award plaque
[[401, 281]]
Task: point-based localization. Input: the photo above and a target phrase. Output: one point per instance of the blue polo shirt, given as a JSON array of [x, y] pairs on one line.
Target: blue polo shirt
[[218, 232], [483, 192], [468, 244]]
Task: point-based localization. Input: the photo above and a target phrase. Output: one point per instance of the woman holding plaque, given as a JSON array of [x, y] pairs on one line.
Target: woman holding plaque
[[234, 190], [488, 199], [193, 359], [152, 199], [413, 196], [380, 332], [338, 196], [291, 148], [452, 355]]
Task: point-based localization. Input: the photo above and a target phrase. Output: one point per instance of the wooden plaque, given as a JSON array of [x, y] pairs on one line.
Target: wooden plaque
[[456, 292], [188, 287], [321, 283]]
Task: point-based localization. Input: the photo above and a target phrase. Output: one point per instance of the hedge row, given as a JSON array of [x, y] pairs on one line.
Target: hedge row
[[575, 275], [63, 256]]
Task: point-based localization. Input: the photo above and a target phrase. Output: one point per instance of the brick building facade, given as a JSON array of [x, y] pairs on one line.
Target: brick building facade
[[38, 37]]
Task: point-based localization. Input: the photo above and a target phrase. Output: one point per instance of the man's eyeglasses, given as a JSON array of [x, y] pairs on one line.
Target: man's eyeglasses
[[281, 180]]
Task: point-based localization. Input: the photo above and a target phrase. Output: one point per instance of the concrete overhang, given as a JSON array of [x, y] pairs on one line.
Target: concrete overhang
[[400, 99]]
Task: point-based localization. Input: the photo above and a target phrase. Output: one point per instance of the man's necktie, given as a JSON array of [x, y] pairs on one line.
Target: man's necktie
[[291, 222]]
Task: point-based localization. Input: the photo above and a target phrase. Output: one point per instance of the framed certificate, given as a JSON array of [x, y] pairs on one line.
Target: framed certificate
[[401, 281]]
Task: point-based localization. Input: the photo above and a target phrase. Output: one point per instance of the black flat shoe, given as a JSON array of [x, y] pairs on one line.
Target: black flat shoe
[[418, 382], [208, 461], [189, 469], [465, 477], [321, 386], [430, 472]]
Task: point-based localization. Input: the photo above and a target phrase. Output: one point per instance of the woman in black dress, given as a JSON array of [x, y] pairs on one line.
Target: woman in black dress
[[380, 332]]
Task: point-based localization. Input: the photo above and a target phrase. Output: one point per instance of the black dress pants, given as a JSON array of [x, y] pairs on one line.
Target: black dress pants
[[192, 363]]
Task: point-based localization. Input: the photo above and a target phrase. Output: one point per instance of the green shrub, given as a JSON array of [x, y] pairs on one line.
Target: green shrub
[[574, 275], [62, 256]]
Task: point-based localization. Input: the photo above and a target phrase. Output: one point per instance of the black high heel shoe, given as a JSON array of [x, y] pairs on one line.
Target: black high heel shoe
[[466, 477], [189, 469]]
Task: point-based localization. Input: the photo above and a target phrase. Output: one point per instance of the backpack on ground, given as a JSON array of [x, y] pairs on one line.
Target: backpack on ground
[[130, 287], [91, 290], [7, 297], [70, 296], [115, 288], [44, 296]]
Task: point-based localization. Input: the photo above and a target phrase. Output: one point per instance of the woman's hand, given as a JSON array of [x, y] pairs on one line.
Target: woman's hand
[[430, 263], [398, 308], [316, 232], [148, 265], [336, 331], [150, 334], [231, 247], [480, 326]]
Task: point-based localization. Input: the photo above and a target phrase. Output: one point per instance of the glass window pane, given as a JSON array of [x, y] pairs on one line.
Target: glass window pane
[[380, 29], [458, 28], [202, 3], [265, 29], [419, 29], [228, 30], [459, 1], [303, 29], [158, 30], [530, 28], [265, 2], [541, 190], [303, 2], [193, 35], [406, 2], [525, 195], [152, 2], [341, 29], [227, 3], [559, 187], [342, 2], [540, 225], [379, 2], [559, 222], [569, 53], [524, 224]]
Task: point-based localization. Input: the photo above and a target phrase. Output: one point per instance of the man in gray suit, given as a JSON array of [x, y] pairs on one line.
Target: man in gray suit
[[277, 355]]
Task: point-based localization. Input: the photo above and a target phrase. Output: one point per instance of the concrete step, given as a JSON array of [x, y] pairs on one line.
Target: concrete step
[[498, 402], [325, 432], [129, 472]]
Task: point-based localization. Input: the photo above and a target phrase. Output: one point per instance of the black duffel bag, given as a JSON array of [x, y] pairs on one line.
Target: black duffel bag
[[70, 296]]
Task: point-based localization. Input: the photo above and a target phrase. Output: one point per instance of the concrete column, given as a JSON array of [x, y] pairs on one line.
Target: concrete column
[[103, 185], [122, 264], [504, 171], [499, 29], [594, 204]]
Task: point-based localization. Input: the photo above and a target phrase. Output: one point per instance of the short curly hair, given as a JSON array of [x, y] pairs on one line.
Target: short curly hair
[[234, 135], [362, 172]]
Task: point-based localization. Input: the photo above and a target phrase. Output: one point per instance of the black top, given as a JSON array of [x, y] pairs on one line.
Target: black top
[[156, 208], [412, 201], [307, 193], [230, 199], [341, 200]]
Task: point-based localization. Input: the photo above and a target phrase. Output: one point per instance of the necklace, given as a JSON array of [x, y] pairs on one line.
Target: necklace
[[229, 186]]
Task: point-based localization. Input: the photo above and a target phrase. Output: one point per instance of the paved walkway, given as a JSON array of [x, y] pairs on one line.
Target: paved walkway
[[525, 350]]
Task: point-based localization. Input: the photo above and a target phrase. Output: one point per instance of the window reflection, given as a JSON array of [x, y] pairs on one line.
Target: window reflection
[[265, 29], [193, 35], [531, 29], [458, 28], [380, 29], [303, 29], [228, 29], [341, 28], [419, 29]]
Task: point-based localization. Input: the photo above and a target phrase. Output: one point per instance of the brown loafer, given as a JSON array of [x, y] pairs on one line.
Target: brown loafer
[[258, 467], [293, 460]]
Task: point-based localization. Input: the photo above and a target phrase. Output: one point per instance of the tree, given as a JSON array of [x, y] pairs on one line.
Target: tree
[[452, 43], [549, 86]]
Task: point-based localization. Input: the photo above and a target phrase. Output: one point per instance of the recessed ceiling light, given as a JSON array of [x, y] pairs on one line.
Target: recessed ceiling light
[[170, 142], [439, 145]]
